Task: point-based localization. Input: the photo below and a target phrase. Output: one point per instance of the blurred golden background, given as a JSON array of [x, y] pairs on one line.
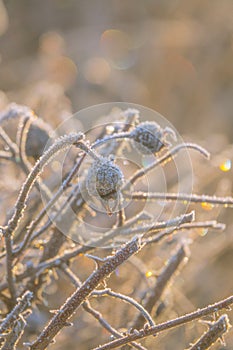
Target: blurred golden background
[[175, 57]]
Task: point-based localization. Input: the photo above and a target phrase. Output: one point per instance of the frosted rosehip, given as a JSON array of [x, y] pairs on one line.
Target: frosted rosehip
[[39, 134], [104, 179], [149, 137]]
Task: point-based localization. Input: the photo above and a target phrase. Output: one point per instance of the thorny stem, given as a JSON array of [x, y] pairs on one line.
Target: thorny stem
[[215, 332], [97, 315], [80, 295], [147, 331], [183, 225], [88, 308]]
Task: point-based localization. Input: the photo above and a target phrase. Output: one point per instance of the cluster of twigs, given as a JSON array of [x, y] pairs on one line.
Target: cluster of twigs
[[29, 222]]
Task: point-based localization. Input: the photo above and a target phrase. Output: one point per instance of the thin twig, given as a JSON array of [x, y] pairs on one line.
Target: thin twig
[[118, 136], [22, 305], [22, 134], [175, 222], [56, 196], [61, 144], [72, 253], [9, 269], [199, 225], [143, 312], [147, 331], [13, 111], [184, 197], [156, 290], [48, 264], [10, 144], [164, 159], [121, 215]]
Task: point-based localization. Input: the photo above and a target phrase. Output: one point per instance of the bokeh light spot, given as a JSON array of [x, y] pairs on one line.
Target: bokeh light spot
[[149, 274], [118, 46], [226, 165], [97, 70], [207, 206]]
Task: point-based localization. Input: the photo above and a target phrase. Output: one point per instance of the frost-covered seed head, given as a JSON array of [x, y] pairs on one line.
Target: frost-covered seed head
[[104, 179], [148, 137], [39, 135]]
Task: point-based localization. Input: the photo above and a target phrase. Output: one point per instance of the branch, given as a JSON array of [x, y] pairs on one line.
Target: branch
[[22, 134], [143, 312], [215, 332], [56, 196], [162, 280], [189, 226], [20, 307], [9, 268], [80, 295], [61, 144], [88, 308], [184, 197], [147, 331], [12, 338], [174, 222], [164, 159], [72, 253]]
